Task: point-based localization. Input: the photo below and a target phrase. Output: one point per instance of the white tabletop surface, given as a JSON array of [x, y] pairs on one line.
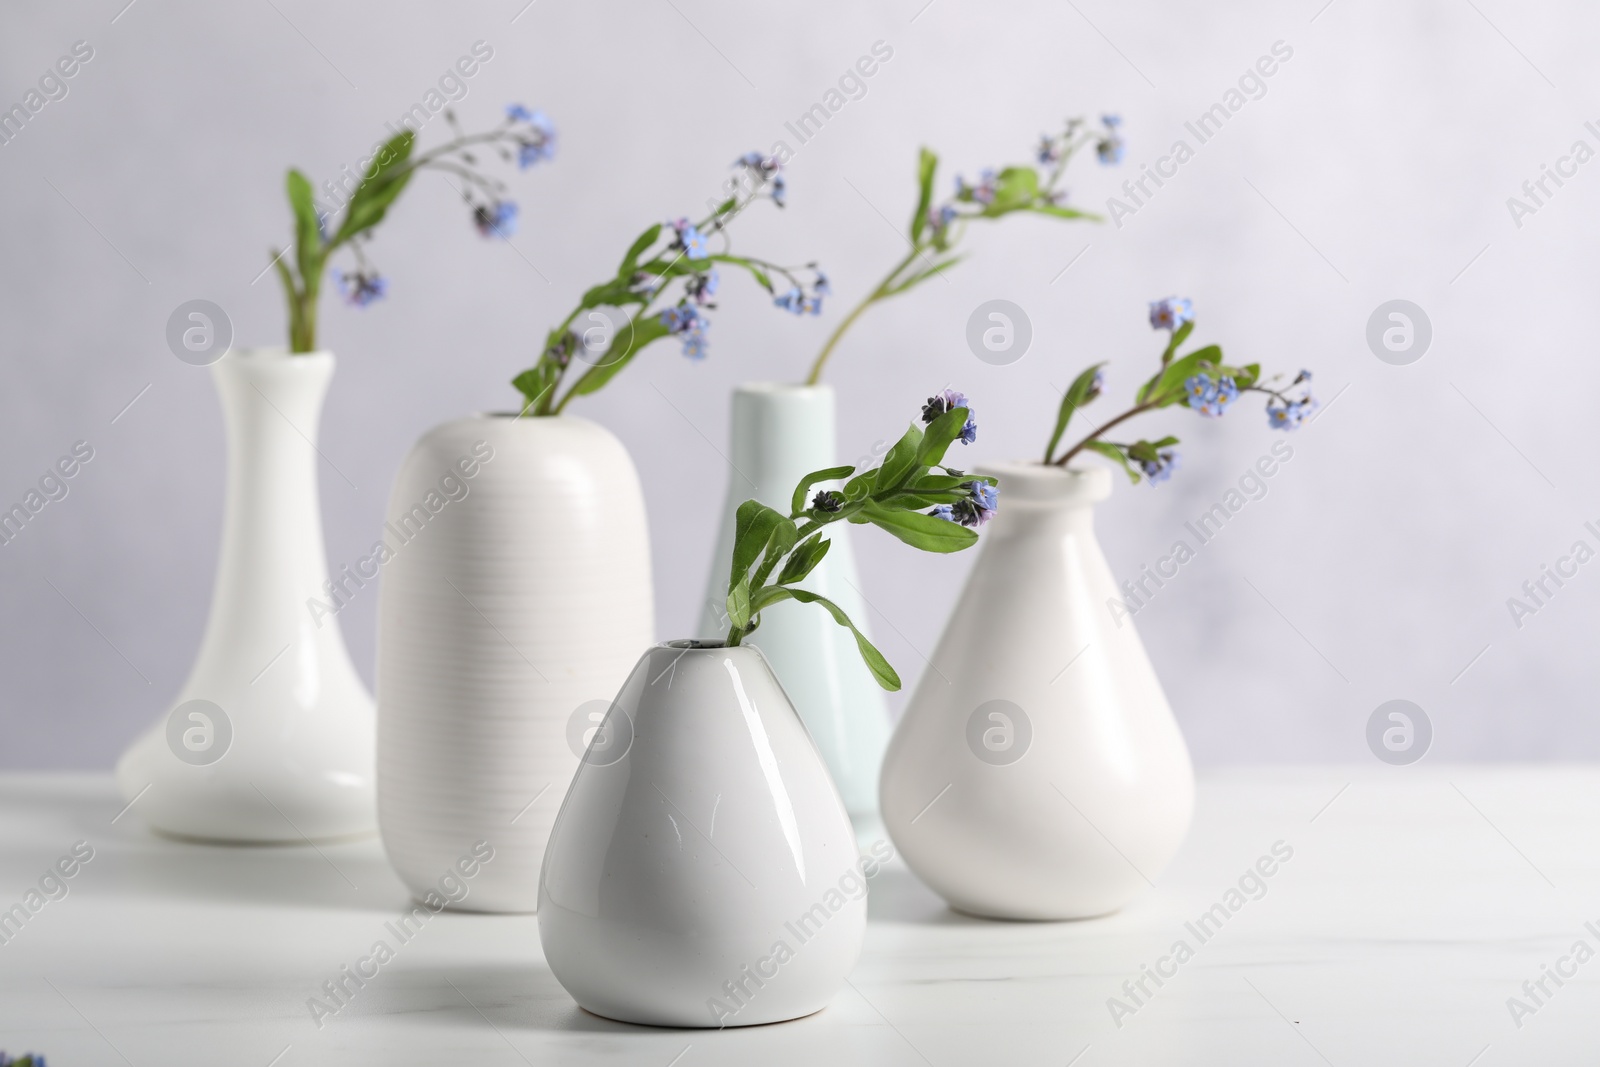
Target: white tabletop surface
[[1416, 902]]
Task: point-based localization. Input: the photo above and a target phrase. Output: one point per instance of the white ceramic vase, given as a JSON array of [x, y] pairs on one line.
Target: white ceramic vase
[[703, 870], [781, 433], [271, 738], [1038, 772], [516, 598]]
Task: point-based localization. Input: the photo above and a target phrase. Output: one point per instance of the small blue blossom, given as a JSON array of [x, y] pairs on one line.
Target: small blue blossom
[[821, 286], [1049, 150], [1160, 469], [793, 300], [1171, 313], [361, 288], [780, 189], [691, 240], [979, 506], [1110, 150], [940, 218], [1288, 415], [945, 512], [496, 220], [518, 113], [1111, 121], [985, 496]]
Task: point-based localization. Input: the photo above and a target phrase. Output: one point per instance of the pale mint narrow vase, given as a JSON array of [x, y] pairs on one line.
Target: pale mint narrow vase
[[781, 433]]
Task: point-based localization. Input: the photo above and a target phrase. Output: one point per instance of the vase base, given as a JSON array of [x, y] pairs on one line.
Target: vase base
[[243, 841], [660, 1023], [1020, 916]]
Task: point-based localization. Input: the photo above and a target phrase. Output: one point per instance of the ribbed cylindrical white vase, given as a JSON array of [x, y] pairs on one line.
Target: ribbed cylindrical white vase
[[516, 600], [271, 737], [780, 433]]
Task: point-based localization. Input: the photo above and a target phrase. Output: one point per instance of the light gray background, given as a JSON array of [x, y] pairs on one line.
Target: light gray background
[[1376, 167]]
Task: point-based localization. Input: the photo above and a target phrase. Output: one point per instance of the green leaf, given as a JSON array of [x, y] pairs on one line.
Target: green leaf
[[307, 234], [941, 433], [386, 177], [1015, 187], [1111, 451], [798, 503], [881, 671], [860, 485], [900, 462], [1168, 383], [781, 540], [927, 166], [630, 261], [920, 531], [1180, 335], [752, 529], [738, 603], [1076, 396], [804, 559], [640, 332], [1065, 212], [1247, 375]]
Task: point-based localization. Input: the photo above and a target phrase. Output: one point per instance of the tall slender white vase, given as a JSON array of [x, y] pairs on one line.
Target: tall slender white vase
[[1038, 772], [271, 738], [781, 433], [515, 600], [703, 871]]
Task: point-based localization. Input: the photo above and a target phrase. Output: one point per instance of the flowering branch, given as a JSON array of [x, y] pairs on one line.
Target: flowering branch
[[664, 254], [890, 497], [529, 133], [934, 231], [1198, 378]]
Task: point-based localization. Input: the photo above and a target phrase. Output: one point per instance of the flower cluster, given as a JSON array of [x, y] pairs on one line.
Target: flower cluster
[[687, 320], [32, 1059], [1109, 146], [1210, 398], [533, 134], [360, 288], [1199, 380], [949, 400], [763, 171], [802, 302], [982, 501], [1286, 412]]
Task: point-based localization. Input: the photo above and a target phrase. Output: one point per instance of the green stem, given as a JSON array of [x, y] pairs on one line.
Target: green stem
[[1137, 409], [815, 377]]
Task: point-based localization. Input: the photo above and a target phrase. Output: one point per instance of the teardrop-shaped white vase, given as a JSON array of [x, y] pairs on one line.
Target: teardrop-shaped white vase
[[271, 738], [515, 602], [1038, 772], [780, 433], [703, 871]]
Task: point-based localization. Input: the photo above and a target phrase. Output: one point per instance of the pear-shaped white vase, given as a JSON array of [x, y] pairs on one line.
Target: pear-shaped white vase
[[271, 738], [703, 870], [781, 433], [1038, 772], [515, 600]]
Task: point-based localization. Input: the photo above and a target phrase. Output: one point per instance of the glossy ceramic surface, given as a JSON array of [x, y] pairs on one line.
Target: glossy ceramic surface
[[703, 870], [282, 750], [1038, 772]]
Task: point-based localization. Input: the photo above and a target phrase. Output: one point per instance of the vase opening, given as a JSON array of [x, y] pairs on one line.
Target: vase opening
[[694, 643]]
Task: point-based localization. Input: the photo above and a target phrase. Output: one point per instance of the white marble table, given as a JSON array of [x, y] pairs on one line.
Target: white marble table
[[1416, 902]]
